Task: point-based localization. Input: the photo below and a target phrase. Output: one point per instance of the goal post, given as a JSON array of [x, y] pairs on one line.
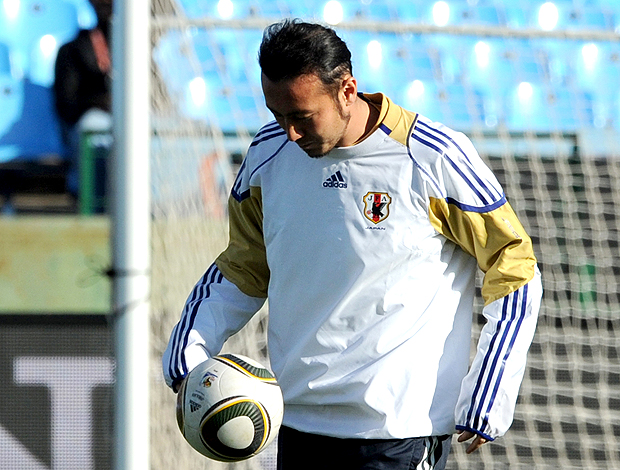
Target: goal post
[[544, 120]]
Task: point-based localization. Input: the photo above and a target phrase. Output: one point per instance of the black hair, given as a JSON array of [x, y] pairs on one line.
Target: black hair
[[292, 48]]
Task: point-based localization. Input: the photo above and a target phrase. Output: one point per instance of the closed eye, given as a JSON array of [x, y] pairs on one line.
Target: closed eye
[[292, 117]]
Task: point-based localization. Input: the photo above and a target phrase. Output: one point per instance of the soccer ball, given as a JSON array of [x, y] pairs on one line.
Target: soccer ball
[[229, 408]]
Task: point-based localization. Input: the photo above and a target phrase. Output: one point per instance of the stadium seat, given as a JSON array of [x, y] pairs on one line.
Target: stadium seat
[[559, 58], [36, 129], [40, 17], [274, 9], [488, 66], [563, 109], [228, 42], [526, 111], [377, 11], [424, 100], [36, 19], [303, 10], [5, 59], [529, 63], [407, 12], [486, 14], [463, 108], [11, 102], [591, 17], [517, 16], [493, 105], [413, 55]]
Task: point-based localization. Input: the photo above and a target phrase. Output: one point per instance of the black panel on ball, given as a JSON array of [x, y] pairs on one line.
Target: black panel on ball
[[233, 408]]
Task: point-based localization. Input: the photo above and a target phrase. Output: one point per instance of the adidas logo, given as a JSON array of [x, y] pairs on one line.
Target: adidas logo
[[193, 406], [335, 181]]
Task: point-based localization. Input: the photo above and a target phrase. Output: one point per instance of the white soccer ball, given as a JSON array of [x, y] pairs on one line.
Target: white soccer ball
[[229, 408]]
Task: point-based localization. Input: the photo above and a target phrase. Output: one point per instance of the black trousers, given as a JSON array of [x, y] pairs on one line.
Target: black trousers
[[302, 451]]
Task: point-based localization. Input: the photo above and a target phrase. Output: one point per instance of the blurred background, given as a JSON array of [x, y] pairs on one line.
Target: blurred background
[[536, 86]]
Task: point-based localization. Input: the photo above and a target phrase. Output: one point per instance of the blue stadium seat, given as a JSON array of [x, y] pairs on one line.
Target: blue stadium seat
[[200, 9], [563, 110], [274, 9], [35, 19], [529, 62], [594, 71], [462, 107], [377, 11], [604, 109], [5, 59], [175, 59], [232, 109], [248, 108], [301, 9], [11, 101], [229, 44], [590, 17], [527, 112], [36, 131], [427, 103], [559, 58], [421, 65], [517, 15], [407, 12], [417, 57], [193, 9], [41, 17], [494, 70], [493, 106], [245, 8], [488, 14], [221, 111]]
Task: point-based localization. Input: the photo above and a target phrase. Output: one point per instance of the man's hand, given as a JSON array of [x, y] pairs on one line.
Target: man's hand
[[475, 444], [176, 387]]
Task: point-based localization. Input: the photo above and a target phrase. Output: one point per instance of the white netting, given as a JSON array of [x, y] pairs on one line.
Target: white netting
[[542, 108]]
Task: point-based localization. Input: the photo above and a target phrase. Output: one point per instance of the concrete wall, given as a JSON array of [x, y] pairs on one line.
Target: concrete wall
[[53, 264]]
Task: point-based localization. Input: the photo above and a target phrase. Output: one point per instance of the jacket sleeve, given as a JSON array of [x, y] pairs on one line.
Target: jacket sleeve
[[512, 292], [489, 392], [488, 229], [232, 290], [215, 310]]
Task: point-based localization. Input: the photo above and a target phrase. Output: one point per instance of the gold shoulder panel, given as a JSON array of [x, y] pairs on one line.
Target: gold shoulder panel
[[398, 120], [496, 239], [244, 262]]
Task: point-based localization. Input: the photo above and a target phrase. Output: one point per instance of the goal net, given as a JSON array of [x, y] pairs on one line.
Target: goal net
[[543, 110]]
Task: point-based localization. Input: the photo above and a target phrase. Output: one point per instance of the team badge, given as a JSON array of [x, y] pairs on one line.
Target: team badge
[[208, 379], [377, 206]]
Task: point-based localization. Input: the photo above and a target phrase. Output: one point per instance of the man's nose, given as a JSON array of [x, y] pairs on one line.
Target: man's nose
[[293, 132]]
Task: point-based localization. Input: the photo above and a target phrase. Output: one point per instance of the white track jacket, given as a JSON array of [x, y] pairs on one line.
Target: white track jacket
[[368, 256]]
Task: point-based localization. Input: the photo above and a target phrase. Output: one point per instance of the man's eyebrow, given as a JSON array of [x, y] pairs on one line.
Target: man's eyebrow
[[294, 113]]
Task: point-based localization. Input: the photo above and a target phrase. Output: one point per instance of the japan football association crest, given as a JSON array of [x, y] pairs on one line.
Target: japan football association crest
[[377, 206]]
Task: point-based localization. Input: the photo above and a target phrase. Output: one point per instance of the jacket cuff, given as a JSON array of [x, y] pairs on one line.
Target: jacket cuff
[[475, 431]]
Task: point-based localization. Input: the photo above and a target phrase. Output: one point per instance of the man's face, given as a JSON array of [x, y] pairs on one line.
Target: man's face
[[311, 116]]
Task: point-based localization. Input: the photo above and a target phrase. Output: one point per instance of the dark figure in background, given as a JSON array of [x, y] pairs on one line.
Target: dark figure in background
[[82, 82]]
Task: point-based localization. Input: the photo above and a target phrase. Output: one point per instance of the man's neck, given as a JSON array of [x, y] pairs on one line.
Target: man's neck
[[363, 119]]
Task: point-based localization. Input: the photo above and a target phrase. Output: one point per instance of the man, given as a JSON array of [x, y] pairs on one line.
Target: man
[[363, 223], [82, 83]]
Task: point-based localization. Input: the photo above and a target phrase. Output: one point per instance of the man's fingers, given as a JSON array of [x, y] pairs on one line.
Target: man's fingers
[[475, 444]]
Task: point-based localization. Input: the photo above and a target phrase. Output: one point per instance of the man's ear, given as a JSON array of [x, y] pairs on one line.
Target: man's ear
[[349, 90]]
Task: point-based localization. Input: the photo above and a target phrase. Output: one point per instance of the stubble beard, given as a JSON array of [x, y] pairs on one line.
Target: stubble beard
[[346, 118]]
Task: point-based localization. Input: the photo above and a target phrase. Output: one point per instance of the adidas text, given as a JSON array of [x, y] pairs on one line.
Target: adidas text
[[334, 184]]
